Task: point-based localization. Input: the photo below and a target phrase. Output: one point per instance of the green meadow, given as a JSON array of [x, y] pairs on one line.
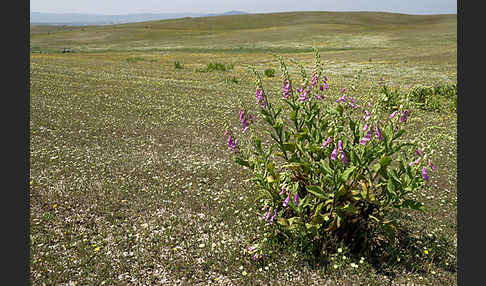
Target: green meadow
[[131, 179]]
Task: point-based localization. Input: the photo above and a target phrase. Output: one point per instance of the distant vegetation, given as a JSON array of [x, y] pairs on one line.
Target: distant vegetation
[[269, 72], [77, 19], [178, 65], [216, 66]]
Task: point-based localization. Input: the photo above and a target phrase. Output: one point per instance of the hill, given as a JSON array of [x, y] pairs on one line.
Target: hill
[[282, 32], [76, 19]]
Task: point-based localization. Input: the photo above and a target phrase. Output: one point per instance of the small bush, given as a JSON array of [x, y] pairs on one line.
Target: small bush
[[216, 66], [389, 98], [178, 65], [231, 80], [135, 59], [430, 98], [269, 72]]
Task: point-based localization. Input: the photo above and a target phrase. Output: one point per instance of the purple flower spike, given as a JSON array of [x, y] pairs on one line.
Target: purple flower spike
[[378, 134], [363, 141], [367, 115], [367, 137], [324, 84], [272, 219], [340, 145], [417, 161], [342, 99], [329, 139], [284, 189], [420, 152], [244, 122], [393, 114], [424, 174], [296, 199], [365, 128], [315, 79], [267, 215], [287, 200], [353, 106], [260, 98], [344, 159], [431, 165], [343, 90], [304, 94], [403, 116], [231, 143], [334, 154], [286, 89]]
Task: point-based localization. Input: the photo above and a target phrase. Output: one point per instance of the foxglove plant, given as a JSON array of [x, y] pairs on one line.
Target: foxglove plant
[[333, 200]]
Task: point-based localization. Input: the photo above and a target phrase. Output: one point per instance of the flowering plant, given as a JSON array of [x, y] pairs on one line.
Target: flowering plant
[[334, 168]]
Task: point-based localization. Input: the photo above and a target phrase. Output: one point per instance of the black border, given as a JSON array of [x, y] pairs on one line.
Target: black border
[[459, 142], [16, 135]]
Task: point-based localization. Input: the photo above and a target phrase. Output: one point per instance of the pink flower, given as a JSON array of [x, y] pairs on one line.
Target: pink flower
[[329, 139], [403, 117], [424, 174], [431, 165], [284, 189], [367, 115], [334, 154], [342, 99], [343, 157], [287, 200], [378, 134], [272, 219], [365, 127], [296, 199], [420, 152], [267, 215], [393, 114]]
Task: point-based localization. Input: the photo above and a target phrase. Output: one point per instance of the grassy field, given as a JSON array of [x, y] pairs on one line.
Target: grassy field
[[131, 179]]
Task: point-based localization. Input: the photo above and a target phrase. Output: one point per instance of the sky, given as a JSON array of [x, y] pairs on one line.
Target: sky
[[119, 7]]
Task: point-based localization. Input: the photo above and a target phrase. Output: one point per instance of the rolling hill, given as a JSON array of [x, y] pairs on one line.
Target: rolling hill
[[278, 32]]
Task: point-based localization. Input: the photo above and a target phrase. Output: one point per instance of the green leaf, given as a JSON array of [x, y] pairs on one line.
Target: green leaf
[[340, 109], [242, 162], [317, 191], [293, 115], [324, 165], [376, 167], [347, 172], [399, 133], [350, 208], [289, 147], [385, 161], [411, 204], [390, 186]]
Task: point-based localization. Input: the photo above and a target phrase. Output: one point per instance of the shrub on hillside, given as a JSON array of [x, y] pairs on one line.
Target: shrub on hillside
[[269, 72], [178, 65], [334, 169]]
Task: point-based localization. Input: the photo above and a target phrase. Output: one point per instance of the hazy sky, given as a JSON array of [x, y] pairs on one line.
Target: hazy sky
[[251, 6]]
